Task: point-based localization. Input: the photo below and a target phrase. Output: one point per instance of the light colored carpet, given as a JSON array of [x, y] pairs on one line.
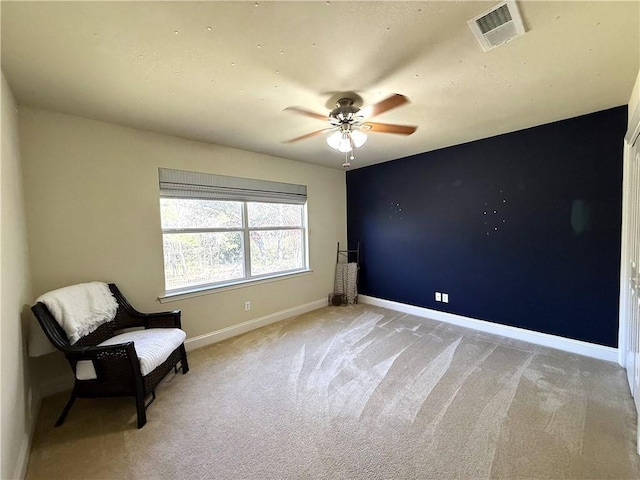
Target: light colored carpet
[[357, 392]]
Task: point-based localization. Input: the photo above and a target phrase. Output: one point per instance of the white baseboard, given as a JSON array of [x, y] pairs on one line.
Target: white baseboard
[[560, 343], [23, 456], [244, 327]]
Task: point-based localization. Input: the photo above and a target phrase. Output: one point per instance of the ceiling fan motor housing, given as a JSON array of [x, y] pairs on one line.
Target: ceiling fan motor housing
[[345, 111]]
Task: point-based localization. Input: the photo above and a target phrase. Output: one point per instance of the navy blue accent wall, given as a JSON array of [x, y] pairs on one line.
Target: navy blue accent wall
[[521, 229]]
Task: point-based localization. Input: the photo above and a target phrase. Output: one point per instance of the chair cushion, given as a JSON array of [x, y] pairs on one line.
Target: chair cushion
[[153, 346]]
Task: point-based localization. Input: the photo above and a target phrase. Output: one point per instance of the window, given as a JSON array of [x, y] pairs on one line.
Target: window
[[221, 230]]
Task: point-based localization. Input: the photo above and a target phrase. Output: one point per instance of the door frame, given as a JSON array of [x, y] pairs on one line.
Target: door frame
[[630, 138], [629, 316]]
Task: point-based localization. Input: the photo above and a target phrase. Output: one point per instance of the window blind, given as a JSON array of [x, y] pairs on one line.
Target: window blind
[[183, 184]]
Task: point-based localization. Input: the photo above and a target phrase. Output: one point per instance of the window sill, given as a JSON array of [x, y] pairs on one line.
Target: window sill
[[198, 292]]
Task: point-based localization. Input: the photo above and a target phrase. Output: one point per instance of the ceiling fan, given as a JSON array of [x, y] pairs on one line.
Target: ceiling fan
[[348, 123]]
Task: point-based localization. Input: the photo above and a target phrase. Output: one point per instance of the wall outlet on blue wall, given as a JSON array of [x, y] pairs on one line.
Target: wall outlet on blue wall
[[442, 297]]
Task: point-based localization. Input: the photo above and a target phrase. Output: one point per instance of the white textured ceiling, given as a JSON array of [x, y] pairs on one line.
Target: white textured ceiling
[[223, 72]]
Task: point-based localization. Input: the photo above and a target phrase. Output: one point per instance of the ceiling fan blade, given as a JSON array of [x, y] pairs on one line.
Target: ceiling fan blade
[[391, 128], [309, 135], [382, 106], [307, 113]]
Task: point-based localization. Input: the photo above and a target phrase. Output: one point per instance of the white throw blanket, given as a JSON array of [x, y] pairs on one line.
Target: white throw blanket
[[80, 309]]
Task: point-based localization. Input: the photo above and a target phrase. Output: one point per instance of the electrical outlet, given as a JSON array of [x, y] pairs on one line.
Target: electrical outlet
[[438, 297], [445, 297], [247, 305]]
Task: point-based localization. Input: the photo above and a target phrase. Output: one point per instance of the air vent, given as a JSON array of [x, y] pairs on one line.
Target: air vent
[[497, 25]]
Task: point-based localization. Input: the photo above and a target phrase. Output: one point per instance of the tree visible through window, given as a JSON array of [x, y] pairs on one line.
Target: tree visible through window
[[212, 242]]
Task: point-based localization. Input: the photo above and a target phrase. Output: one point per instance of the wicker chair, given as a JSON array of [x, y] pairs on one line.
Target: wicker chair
[[117, 367]]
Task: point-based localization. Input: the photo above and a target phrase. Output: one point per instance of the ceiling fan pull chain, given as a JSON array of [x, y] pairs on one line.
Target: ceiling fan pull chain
[[346, 163]]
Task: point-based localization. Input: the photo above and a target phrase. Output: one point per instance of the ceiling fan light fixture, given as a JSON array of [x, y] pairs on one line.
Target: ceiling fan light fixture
[[346, 140], [333, 140], [358, 138], [340, 141], [345, 143]]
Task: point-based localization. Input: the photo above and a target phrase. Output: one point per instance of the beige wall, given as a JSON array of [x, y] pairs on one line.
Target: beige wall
[[93, 214], [15, 298], [634, 100]]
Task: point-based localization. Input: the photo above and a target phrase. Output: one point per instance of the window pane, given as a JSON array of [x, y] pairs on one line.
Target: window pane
[[275, 251], [194, 213], [192, 259], [274, 215]]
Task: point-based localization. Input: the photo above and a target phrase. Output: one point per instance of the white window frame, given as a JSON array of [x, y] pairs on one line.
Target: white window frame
[[179, 184]]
